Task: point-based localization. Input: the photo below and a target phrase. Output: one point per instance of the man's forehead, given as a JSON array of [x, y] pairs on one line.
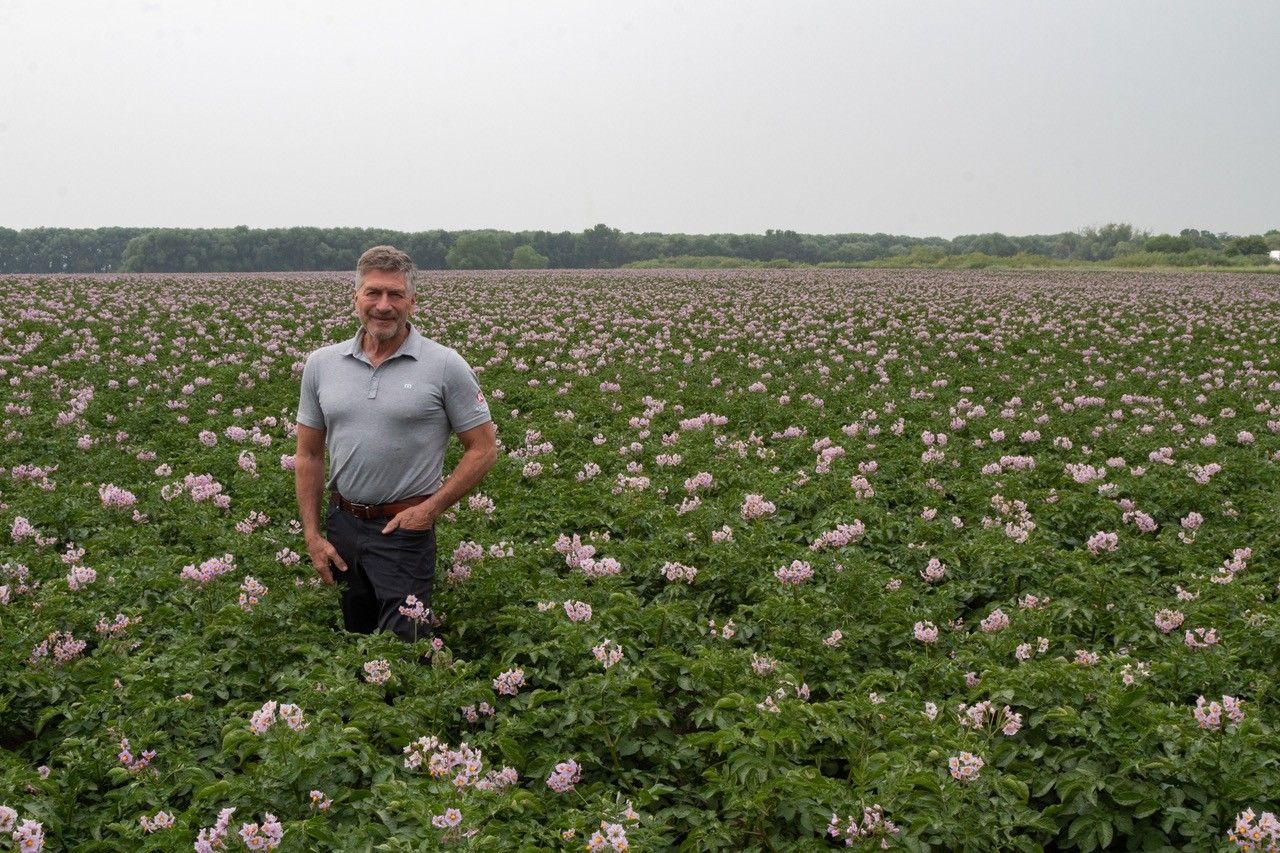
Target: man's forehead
[[385, 279]]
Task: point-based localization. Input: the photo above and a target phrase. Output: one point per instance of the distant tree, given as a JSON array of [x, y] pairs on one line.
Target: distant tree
[[527, 258], [602, 246], [1201, 239], [476, 250], [1251, 245], [1168, 243], [995, 244], [855, 250]]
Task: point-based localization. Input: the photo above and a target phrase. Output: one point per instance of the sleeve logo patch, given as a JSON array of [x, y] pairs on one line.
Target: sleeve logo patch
[[479, 398]]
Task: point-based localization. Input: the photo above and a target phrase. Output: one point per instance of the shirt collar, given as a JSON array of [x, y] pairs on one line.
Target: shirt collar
[[410, 346]]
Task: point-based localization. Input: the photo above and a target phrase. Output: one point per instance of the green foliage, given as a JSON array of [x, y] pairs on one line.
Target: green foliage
[[476, 250], [526, 257], [1168, 243], [1109, 754], [264, 250], [1252, 245]]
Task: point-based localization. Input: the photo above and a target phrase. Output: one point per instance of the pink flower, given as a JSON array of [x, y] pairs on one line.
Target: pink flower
[[265, 837], [415, 609], [450, 818], [843, 535], [1102, 541], [1167, 620], [755, 506], [679, 572], [794, 575], [1249, 836], [1201, 638], [162, 820], [114, 496], [926, 632], [566, 775], [607, 653], [934, 572], [995, 621], [965, 767], [1208, 715], [377, 671], [577, 611], [509, 682]]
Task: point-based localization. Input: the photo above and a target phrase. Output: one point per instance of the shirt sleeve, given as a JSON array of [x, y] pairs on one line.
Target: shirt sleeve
[[464, 402], [309, 413]]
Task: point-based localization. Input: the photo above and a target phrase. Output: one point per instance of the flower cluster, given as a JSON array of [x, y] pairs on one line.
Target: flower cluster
[[842, 535], [755, 506], [132, 763], [874, 827], [796, 574], [377, 671], [581, 556], [265, 717], [1247, 835], [679, 572], [62, 645], [266, 836], [114, 496], [610, 836], [926, 632], [28, 835], [565, 776], [509, 683], [984, 714], [607, 653], [577, 611], [209, 569], [162, 820], [1208, 715], [251, 593], [1102, 542], [965, 767]]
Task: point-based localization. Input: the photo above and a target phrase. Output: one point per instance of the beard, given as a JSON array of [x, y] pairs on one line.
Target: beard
[[378, 332]]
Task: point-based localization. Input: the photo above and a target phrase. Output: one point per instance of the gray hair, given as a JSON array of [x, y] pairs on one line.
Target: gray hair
[[386, 259]]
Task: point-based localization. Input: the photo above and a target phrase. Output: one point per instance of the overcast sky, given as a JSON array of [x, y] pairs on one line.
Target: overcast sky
[[701, 117]]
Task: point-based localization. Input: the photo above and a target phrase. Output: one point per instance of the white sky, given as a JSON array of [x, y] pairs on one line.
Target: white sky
[[700, 117]]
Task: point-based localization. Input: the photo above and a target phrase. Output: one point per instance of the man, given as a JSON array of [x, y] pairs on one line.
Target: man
[[384, 404]]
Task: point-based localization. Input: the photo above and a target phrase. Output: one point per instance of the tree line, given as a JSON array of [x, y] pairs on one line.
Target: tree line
[[242, 249]]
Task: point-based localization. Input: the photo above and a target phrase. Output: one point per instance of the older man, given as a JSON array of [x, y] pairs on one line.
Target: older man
[[384, 404]]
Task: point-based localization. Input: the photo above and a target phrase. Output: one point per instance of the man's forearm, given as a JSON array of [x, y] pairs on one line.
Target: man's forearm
[[308, 486], [470, 470]]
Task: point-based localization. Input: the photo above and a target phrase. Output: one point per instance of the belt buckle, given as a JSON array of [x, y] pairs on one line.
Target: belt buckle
[[364, 511]]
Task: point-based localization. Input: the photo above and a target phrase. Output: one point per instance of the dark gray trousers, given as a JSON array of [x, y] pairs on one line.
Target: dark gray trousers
[[382, 570]]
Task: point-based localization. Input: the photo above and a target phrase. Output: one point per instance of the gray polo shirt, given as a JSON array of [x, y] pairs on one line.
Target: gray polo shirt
[[387, 429]]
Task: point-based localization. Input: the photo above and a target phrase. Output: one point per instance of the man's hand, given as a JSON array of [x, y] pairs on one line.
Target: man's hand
[[415, 518], [323, 557]]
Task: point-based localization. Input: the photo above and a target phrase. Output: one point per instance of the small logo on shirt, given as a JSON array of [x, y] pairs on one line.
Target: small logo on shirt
[[409, 385], [479, 398]]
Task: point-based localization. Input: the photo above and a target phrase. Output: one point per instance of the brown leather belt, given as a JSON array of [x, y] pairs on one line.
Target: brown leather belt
[[370, 511]]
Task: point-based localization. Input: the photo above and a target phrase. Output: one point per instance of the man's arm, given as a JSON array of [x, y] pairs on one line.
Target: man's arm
[[308, 486], [479, 452]]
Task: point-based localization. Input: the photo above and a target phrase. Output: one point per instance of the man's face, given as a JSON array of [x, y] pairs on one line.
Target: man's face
[[383, 304]]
